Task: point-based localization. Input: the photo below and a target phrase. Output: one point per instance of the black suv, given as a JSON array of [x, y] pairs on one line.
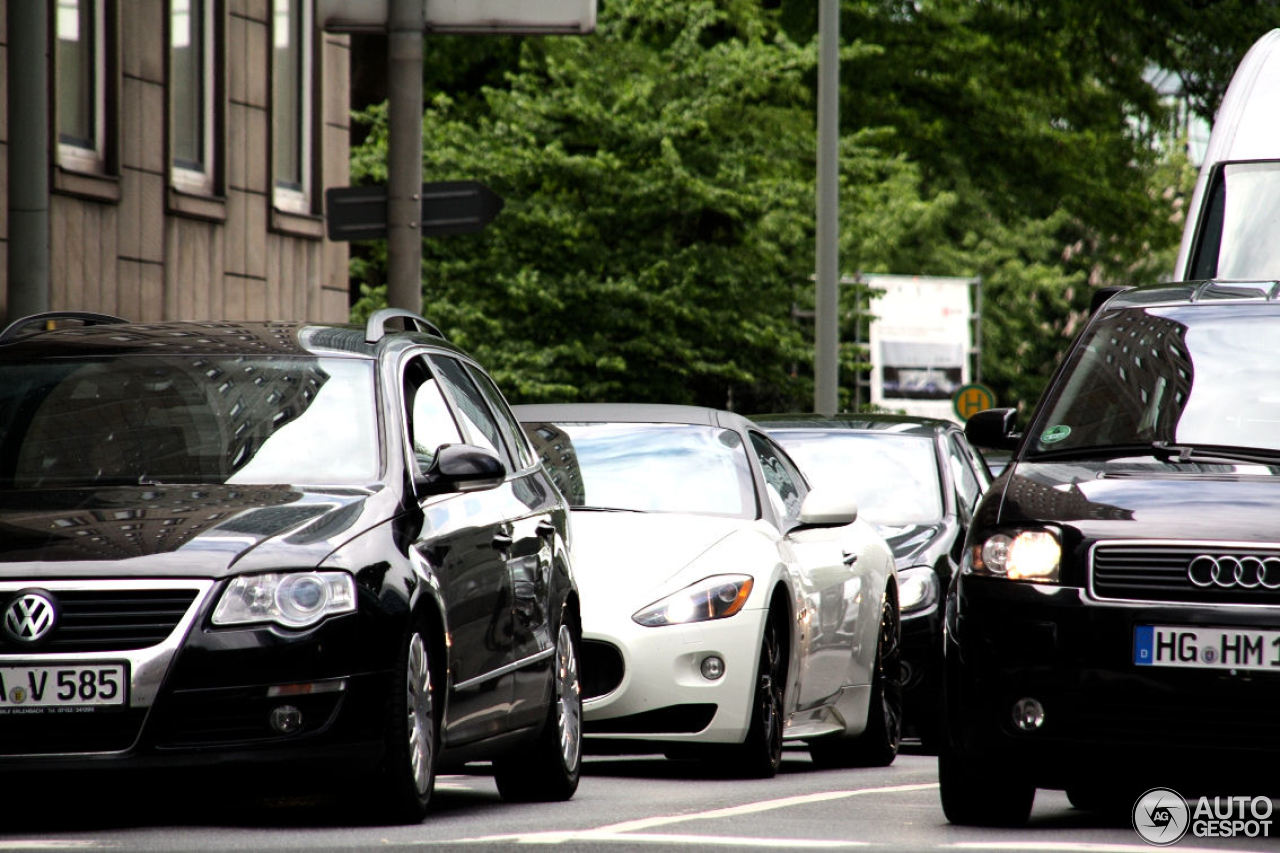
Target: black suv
[[1115, 625], [271, 542]]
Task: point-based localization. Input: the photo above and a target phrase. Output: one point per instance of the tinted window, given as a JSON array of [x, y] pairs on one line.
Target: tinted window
[[1202, 374], [1240, 236], [477, 421], [186, 419], [648, 467], [968, 487], [511, 431], [430, 422]]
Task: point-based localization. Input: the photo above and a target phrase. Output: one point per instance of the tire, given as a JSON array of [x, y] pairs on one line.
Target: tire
[[760, 755], [878, 744], [402, 789], [548, 769], [976, 793]]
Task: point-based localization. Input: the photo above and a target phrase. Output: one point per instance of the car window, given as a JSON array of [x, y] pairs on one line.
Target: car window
[[968, 489], [894, 478], [188, 419], [477, 420], [511, 430], [784, 484], [647, 467], [430, 422]]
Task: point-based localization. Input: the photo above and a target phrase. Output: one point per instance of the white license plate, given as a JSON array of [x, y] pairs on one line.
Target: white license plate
[[1206, 648], [78, 685]]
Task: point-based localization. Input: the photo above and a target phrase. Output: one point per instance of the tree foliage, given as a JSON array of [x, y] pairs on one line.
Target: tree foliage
[[659, 183]]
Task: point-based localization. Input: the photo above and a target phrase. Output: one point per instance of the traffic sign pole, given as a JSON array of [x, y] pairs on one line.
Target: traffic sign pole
[[404, 154]]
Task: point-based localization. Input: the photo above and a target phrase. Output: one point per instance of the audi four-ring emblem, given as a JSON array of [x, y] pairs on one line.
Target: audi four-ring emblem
[[1228, 572]]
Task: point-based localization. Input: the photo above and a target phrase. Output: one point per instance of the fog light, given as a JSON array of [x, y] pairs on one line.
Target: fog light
[[1028, 714], [286, 719], [712, 667]]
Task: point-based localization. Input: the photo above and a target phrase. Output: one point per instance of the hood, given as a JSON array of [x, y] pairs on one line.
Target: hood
[[1148, 500], [172, 531], [910, 542], [626, 559]]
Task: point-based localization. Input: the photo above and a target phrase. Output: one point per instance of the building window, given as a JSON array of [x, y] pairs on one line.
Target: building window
[[192, 120], [80, 75], [292, 104]]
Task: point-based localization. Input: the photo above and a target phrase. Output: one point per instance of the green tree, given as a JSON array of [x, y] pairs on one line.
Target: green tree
[[658, 178]]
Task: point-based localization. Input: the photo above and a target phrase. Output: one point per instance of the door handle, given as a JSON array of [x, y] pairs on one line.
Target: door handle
[[848, 558]]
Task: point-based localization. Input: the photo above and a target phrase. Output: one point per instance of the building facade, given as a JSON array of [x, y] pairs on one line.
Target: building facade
[[167, 159]]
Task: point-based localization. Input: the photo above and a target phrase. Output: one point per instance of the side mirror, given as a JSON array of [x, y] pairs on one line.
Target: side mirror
[[461, 468], [993, 428], [828, 508]]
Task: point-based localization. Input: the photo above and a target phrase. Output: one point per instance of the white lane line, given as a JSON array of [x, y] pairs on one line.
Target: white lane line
[[630, 830], [51, 844]]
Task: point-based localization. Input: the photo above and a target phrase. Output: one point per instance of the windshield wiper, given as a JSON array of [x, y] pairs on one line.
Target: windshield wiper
[[1186, 453]]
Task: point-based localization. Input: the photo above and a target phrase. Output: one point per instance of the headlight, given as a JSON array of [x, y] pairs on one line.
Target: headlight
[[294, 600], [1025, 555], [917, 589], [710, 598]]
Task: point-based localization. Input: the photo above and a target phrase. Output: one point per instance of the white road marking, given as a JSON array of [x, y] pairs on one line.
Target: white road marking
[[630, 830]]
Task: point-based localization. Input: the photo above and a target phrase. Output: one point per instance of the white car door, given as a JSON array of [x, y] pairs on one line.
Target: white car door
[[825, 576]]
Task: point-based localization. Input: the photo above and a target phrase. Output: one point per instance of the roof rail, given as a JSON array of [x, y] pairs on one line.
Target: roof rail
[[377, 325], [87, 317]]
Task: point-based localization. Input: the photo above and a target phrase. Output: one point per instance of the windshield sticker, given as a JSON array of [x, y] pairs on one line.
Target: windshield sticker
[[1054, 434]]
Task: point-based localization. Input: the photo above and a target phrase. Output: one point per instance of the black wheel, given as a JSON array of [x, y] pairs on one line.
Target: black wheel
[[978, 793], [877, 746], [548, 770], [407, 777], [760, 754]]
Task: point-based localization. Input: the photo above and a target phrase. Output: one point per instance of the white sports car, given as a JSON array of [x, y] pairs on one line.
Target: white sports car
[[726, 606]]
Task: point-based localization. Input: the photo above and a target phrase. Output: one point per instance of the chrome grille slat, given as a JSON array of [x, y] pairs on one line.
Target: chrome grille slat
[[1126, 571]]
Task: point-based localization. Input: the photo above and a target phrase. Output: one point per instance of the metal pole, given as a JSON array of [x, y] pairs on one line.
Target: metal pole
[[406, 23], [826, 396], [29, 252]]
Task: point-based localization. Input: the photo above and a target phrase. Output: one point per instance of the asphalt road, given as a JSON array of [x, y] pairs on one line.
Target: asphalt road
[[631, 803]]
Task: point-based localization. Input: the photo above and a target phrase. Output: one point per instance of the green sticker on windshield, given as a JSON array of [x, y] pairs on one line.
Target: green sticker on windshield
[[1054, 434]]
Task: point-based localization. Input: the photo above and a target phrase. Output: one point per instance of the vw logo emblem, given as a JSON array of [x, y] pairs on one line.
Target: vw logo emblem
[[30, 616], [1230, 572]]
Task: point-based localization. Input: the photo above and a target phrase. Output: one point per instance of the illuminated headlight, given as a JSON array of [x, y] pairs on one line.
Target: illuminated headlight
[[710, 598], [917, 589], [1026, 555], [294, 600]]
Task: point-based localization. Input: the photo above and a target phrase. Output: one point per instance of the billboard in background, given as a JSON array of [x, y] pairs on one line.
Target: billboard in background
[[921, 339]]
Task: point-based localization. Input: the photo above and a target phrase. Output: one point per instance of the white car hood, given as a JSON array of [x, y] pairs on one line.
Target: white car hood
[[624, 560]]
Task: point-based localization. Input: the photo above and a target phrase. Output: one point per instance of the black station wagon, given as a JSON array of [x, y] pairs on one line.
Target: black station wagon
[[261, 543]]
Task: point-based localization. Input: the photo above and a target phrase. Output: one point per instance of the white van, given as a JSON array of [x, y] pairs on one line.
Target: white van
[[1233, 226]]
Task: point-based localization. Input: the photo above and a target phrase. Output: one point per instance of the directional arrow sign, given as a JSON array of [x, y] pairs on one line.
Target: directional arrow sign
[[448, 207]]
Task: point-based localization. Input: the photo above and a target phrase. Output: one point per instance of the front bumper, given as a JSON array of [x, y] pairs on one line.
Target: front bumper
[[663, 695], [206, 697], [1104, 716]]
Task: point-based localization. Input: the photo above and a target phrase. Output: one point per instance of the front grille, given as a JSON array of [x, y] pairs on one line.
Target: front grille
[[674, 719], [602, 668], [1159, 572], [118, 619]]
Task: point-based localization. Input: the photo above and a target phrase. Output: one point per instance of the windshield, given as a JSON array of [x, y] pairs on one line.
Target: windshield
[[1240, 239], [894, 478], [648, 467], [187, 419], [1202, 375]]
